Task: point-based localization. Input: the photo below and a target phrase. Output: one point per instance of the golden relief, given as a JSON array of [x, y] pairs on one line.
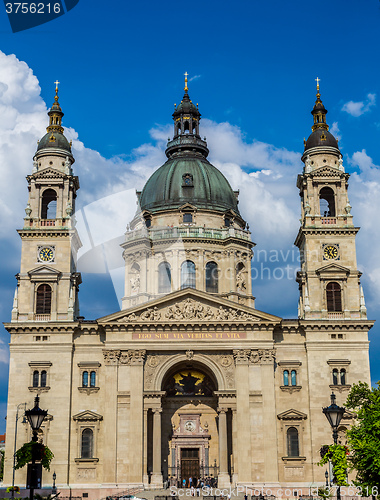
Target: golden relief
[[189, 383]]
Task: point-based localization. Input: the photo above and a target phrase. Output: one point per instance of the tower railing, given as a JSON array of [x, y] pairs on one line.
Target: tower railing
[[188, 232]]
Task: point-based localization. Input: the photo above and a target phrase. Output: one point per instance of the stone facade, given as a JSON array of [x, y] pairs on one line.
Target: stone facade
[[188, 378]]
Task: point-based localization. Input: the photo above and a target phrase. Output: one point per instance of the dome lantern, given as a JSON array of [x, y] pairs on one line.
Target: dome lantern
[[320, 138], [54, 141]]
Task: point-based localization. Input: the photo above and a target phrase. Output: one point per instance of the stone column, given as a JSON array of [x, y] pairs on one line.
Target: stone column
[[156, 473], [111, 360], [223, 478], [234, 446], [243, 454], [269, 416], [136, 440], [145, 459]]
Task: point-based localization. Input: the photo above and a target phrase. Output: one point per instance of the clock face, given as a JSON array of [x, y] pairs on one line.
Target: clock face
[[45, 254], [330, 252], [190, 426]]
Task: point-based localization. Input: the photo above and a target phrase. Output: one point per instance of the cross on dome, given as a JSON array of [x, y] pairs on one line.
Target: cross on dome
[[186, 75]]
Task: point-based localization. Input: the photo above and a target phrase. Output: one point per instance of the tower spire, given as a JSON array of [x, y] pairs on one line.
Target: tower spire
[[186, 87], [55, 114], [319, 112]]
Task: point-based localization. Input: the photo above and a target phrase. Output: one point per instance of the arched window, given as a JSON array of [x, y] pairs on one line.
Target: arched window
[[87, 443], [36, 378], [93, 379], [286, 377], [43, 378], [334, 297], [335, 376], [85, 379], [49, 204], [188, 274], [212, 277], [343, 376], [164, 278], [294, 377], [292, 442], [43, 303], [187, 217], [327, 202]]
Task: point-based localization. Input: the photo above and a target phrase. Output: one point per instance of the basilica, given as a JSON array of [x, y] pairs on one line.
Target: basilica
[[188, 379]]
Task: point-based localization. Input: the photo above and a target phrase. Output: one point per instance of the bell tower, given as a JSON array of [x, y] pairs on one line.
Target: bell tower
[[47, 284], [329, 281]]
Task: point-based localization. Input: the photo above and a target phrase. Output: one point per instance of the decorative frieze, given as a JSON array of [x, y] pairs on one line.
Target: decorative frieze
[[130, 357], [111, 357], [255, 356], [263, 356], [188, 310]]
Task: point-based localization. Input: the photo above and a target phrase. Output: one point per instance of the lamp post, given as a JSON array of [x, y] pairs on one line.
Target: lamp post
[[334, 414], [54, 488], [14, 448], [35, 418]]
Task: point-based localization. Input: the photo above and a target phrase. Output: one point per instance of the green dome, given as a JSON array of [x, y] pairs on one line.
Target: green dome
[[60, 142], [188, 180]]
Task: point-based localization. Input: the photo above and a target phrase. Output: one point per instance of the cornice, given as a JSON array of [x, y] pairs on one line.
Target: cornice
[[343, 324], [50, 233], [36, 327]]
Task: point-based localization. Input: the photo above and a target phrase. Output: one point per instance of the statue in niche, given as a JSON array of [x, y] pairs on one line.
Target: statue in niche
[[307, 207], [308, 165], [240, 281], [68, 165], [135, 283]]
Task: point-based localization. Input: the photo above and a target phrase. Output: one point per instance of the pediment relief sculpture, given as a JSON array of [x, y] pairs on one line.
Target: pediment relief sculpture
[[189, 309]]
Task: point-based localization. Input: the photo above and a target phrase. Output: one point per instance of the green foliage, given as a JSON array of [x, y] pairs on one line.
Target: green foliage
[[16, 489], [1, 465], [337, 453], [41, 453], [324, 493], [364, 435]]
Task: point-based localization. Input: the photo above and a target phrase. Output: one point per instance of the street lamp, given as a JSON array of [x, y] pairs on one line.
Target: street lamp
[[35, 418], [334, 415], [54, 488], [14, 448]]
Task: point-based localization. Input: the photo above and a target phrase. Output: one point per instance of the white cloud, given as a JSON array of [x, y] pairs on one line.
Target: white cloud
[[195, 77], [334, 129], [359, 108], [265, 175]]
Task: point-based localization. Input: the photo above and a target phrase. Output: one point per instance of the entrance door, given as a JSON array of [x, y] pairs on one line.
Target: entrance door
[[189, 464]]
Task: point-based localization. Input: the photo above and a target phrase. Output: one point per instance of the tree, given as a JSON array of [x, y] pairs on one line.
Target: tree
[[364, 436], [1, 464]]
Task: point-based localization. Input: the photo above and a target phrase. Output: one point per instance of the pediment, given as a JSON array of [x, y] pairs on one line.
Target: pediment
[[327, 171], [187, 206], [48, 173], [190, 305], [42, 271], [88, 416], [333, 268], [292, 415]]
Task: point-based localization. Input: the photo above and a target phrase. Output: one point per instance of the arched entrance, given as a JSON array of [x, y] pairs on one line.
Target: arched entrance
[[196, 432]]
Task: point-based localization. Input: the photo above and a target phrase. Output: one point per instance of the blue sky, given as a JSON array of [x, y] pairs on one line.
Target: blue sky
[[252, 67]]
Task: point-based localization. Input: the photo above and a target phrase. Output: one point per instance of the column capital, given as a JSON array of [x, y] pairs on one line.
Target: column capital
[[263, 356], [242, 356], [222, 410], [157, 410]]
